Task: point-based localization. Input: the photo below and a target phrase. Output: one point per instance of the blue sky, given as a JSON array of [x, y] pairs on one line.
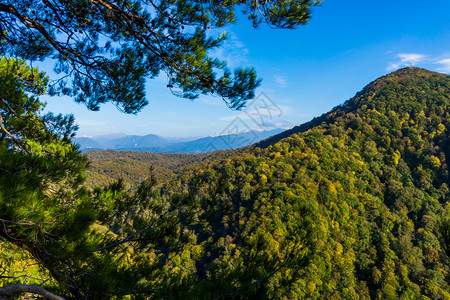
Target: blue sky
[[305, 72]]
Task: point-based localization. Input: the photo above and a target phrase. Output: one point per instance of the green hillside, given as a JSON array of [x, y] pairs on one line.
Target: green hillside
[[348, 207], [107, 166]]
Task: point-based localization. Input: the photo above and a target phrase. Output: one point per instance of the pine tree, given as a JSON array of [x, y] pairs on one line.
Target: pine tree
[[104, 46]]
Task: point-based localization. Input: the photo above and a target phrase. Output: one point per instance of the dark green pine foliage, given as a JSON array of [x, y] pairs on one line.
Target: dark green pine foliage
[[50, 226], [348, 209], [42, 209], [105, 49]]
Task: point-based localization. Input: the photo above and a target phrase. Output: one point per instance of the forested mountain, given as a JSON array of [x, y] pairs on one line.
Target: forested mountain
[[348, 206]]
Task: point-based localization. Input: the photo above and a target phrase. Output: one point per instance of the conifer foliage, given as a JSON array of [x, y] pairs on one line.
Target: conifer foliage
[[104, 46]]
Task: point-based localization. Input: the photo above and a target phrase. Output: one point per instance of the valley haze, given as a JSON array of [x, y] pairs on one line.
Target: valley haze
[[158, 144]]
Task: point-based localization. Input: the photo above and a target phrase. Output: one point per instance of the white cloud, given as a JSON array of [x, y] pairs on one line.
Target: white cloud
[[438, 63], [280, 81], [236, 43], [411, 58], [284, 124], [445, 65], [233, 51], [407, 59]]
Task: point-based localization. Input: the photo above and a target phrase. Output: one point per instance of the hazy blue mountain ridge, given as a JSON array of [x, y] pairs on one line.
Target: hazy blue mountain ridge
[[158, 144]]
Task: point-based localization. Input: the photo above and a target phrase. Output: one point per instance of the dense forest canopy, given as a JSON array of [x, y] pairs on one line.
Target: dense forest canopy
[[80, 242], [132, 166], [353, 205]]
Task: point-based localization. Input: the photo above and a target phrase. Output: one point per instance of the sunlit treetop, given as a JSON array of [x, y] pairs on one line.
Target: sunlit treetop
[[105, 50]]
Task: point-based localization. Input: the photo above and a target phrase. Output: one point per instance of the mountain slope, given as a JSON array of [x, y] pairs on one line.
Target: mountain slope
[[133, 167], [403, 77], [87, 143], [347, 207], [223, 142]]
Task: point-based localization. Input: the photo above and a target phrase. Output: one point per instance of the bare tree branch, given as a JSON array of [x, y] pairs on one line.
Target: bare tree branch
[[11, 136], [14, 289]]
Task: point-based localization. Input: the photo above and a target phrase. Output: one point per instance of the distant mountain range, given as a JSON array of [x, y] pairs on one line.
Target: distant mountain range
[[158, 144]]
